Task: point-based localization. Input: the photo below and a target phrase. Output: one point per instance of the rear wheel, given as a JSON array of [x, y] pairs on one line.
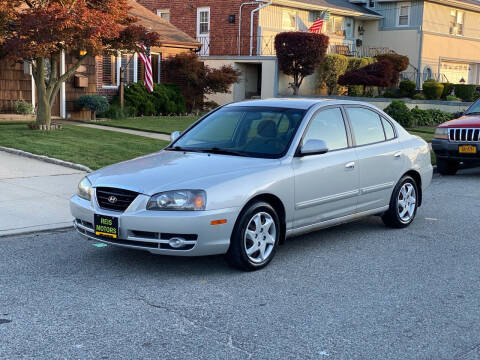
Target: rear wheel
[[403, 204], [255, 237], [447, 167]]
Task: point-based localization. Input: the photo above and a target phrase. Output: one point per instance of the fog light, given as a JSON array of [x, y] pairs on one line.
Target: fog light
[[176, 242]]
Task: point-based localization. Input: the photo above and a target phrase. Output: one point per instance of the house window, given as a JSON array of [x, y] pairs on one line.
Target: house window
[[403, 18], [109, 70], [164, 14], [128, 64], [457, 19], [289, 20], [371, 4], [335, 26], [204, 22]]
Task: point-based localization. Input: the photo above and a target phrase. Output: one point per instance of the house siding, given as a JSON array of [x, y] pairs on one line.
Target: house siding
[[14, 85], [389, 11]]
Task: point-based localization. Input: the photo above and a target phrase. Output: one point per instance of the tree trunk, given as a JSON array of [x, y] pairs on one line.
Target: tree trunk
[[44, 110]]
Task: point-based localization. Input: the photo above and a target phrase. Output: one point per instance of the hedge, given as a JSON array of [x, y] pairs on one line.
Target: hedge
[[408, 88], [329, 71], [416, 117], [432, 89], [465, 92]]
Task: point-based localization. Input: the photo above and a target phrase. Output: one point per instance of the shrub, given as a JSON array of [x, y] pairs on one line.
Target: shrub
[[355, 90], [419, 96], [400, 112], [416, 117], [465, 92], [392, 94], [329, 71], [400, 63], [408, 88], [447, 89], [115, 112], [452, 98], [432, 89], [196, 79], [376, 74], [94, 103], [165, 99], [22, 107], [299, 53], [359, 62]]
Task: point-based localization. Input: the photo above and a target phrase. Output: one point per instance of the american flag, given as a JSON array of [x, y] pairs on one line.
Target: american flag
[[147, 62], [318, 24]]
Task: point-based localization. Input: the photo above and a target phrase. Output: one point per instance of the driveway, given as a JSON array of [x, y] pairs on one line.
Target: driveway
[[34, 194], [356, 291]]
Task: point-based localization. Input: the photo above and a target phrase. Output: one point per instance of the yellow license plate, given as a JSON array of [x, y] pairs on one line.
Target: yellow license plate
[[467, 149]]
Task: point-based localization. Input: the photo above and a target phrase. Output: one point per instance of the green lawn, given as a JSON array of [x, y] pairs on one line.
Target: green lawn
[[425, 133], [163, 124], [91, 147]]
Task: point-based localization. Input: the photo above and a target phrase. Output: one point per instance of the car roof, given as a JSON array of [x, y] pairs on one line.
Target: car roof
[[296, 103]]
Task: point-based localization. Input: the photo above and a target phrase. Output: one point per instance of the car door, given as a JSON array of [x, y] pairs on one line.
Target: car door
[[380, 159], [326, 185]]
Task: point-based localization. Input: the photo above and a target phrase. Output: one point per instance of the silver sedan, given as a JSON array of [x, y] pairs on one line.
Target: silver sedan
[[248, 175]]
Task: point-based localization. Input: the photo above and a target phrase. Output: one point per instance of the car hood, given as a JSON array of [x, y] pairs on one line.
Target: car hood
[[467, 121], [168, 170]]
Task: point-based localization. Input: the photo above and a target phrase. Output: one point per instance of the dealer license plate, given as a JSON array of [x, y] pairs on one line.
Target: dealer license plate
[[106, 226], [467, 149]]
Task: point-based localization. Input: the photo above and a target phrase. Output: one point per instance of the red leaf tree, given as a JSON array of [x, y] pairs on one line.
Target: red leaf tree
[[299, 53], [38, 31], [377, 74]]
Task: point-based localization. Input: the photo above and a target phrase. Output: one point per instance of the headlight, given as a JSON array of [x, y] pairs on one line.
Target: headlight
[[178, 200], [441, 133], [85, 189]]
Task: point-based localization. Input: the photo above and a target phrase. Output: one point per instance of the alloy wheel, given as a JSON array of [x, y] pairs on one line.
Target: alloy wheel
[[406, 202], [259, 238]]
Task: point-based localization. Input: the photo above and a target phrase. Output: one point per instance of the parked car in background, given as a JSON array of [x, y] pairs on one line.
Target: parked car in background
[[457, 142], [247, 175]]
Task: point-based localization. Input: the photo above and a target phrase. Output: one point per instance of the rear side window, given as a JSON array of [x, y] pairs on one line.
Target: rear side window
[[328, 125], [389, 132], [366, 125]]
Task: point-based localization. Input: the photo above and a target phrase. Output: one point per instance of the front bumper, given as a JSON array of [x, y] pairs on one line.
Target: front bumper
[[152, 230], [448, 150]]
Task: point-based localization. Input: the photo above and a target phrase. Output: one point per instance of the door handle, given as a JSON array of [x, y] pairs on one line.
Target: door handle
[[350, 165], [398, 154]]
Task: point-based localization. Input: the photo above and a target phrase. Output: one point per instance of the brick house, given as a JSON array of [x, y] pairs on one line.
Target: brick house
[[97, 75]]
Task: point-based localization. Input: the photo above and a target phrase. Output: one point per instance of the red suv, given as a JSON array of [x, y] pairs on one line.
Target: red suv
[[458, 141]]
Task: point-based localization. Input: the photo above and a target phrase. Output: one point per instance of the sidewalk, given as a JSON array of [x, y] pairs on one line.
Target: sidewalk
[[34, 194], [121, 130]]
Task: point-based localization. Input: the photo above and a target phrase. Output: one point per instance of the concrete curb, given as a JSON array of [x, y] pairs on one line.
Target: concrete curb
[[37, 230], [46, 159]]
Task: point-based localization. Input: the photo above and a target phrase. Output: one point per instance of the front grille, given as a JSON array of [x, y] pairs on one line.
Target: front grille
[[124, 198], [464, 134]]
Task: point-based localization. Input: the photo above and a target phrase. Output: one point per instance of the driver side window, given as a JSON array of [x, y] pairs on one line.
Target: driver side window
[[328, 125]]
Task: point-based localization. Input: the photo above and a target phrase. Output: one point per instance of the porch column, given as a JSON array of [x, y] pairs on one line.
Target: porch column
[[63, 100]]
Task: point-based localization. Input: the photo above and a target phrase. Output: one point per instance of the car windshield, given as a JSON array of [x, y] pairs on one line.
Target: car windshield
[[474, 109], [243, 131]]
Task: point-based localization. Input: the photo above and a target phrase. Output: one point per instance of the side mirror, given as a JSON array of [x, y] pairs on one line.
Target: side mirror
[[313, 147], [175, 135]]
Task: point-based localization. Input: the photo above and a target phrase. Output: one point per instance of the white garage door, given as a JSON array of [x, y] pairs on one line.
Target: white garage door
[[454, 72]]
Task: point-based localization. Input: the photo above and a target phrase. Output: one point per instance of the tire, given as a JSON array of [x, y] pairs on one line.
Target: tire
[[447, 167], [400, 215], [249, 249]]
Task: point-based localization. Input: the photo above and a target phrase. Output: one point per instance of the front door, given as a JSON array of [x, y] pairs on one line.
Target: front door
[[326, 185], [381, 161], [203, 30]]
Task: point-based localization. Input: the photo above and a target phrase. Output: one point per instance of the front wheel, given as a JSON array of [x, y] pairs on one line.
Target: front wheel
[[403, 204], [255, 237]]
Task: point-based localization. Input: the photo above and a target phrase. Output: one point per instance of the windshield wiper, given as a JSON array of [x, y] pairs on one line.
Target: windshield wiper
[[179, 148], [473, 113], [216, 150]]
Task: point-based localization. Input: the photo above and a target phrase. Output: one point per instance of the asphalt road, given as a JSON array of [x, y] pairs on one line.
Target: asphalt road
[[357, 291]]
